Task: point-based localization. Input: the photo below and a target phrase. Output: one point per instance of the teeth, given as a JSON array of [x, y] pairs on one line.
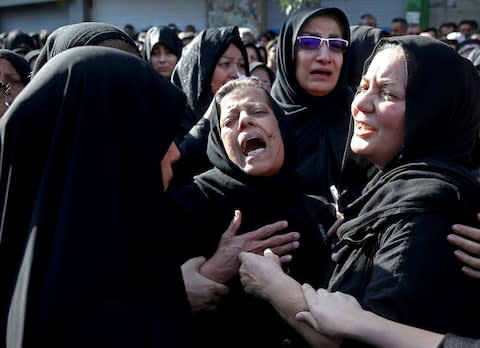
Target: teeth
[[255, 152], [363, 126]]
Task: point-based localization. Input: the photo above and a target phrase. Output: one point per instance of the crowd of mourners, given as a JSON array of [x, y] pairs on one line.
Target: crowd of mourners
[[316, 187]]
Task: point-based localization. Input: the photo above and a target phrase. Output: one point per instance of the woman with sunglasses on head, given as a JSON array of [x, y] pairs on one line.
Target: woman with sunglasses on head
[[311, 86]]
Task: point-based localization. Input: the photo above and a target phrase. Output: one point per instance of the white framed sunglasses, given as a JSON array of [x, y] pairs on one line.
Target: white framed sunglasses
[[308, 42]]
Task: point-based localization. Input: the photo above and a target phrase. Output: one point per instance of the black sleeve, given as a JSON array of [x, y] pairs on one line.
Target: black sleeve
[[452, 341], [193, 149], [417, 280]]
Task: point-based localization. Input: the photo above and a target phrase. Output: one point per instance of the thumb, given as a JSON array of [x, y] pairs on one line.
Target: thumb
[[307, 318], [196, 262]]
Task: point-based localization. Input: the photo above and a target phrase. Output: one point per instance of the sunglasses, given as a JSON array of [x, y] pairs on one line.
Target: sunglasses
[[313, 42]]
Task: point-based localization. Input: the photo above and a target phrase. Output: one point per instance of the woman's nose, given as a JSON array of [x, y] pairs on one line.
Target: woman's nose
[[323, 52], [244, 120], [362, 102]]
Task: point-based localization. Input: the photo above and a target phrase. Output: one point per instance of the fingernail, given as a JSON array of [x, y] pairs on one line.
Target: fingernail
[[451, 237], [296, 244], [455, 227]]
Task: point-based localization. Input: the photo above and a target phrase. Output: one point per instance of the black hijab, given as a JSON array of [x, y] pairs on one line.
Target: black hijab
[[79, 34], [226, 178], [19, 63], [363, 40], [163, 35], [262, 200], [193, 72], [17, 38], [320, 123], [442, 110], [84, 207], [416, 197]]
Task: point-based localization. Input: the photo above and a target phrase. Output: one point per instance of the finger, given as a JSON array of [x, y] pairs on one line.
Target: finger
[[195, 262], [243, 256], [467, 231], [279, 240], [234, 224], [268, 230], [307, 318], [333, 229], [286, 248], [221, 290], [465, 244], [470, 272], [285, 259], [470, 261], [309, 293]]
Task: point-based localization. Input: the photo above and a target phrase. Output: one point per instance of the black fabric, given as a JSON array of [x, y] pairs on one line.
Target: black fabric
[[474, 57], [363, 40], [210, 202], [163, 35], [193, 74], [81, 182], [255, 65], [17, 38], [393, 255], [32, 55], [320, 123], [79, 34], [19, 64], [453, 341]]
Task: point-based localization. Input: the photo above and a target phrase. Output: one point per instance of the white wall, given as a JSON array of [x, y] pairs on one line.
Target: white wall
[[384, 10], [145, 13], [46, 16]]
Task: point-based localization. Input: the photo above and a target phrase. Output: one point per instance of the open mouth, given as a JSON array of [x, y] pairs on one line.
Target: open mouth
[[253, 146], [321, 72]]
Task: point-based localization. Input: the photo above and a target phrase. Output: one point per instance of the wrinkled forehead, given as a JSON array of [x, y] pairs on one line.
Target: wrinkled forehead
[[244, 96]]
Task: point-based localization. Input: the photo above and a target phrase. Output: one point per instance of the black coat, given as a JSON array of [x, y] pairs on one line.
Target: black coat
[[320, 123], [393, 254], [85, 250], [204, 211], [193, 75]]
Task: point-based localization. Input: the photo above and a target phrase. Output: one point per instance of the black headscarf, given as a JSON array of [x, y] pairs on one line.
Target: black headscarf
[[320, 122], [163, 35], [84, 207], [19, 63], [193, 72], [79, 34], [228, 177], [392, 251], [262, 200], [474, 57], [17, 38], [435, 116], [363, 40]]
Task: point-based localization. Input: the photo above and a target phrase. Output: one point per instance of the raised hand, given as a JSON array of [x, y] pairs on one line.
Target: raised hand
[[224, 263]]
